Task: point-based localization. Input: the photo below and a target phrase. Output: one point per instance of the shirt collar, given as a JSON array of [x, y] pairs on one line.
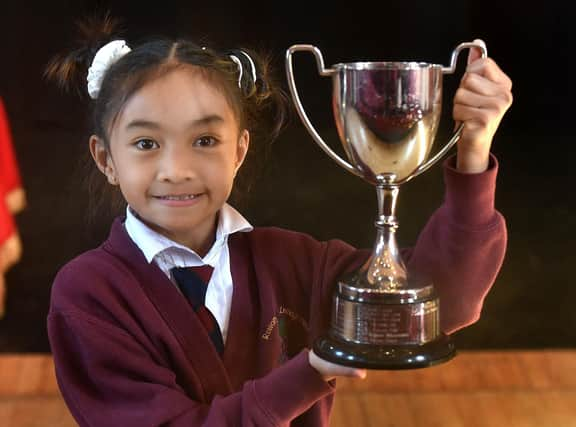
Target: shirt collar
[[152, 243]]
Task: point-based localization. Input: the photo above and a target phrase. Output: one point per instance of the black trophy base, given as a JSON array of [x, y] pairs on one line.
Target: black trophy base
[[392, 357]]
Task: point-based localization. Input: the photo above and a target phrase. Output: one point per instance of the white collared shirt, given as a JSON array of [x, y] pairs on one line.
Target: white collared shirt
[[168, 254]]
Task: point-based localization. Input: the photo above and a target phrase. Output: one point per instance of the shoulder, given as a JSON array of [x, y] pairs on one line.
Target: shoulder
[[93, 263], [271, 235], [293, 247], [88, 280], [276, 238], [111, 261]]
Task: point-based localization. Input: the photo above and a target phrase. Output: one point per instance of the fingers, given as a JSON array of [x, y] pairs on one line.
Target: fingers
[[481, 85], [476, 117], [475, 53], [331, 370], [344, 371], [484, 86], [487, 68], [482, 109], [483, 97]]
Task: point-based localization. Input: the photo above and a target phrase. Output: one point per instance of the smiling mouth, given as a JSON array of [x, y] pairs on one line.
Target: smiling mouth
[[178, 197]]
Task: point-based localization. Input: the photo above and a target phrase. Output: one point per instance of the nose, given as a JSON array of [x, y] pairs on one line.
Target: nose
[[176, 165]]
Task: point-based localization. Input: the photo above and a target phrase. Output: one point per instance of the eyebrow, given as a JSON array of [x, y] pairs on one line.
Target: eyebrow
[[203, 121]]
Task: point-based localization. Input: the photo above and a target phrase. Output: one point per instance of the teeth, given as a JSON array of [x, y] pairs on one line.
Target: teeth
[[184, 197]]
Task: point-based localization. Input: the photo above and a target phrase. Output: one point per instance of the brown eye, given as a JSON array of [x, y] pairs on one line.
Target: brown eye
[[146, 144], [205, 141]]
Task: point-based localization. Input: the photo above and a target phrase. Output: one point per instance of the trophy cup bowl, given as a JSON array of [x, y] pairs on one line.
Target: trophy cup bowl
[[387, 115]]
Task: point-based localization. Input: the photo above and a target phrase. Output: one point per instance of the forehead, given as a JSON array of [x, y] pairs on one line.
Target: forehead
[[179, 95]]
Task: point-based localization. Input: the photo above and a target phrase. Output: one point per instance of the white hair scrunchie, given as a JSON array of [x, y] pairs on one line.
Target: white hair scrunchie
[[105, 57]]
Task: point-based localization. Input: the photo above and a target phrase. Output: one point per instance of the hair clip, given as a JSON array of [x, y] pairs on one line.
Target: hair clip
[[238, 62]]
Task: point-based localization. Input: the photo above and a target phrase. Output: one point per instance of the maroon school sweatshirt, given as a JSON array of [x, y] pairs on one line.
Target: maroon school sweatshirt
[[129, 350]]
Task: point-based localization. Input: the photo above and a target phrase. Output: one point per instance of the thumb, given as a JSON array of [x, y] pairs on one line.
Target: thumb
[[475, 53]]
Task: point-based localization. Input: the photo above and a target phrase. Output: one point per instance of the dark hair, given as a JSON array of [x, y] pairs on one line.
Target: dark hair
[[259, 104]]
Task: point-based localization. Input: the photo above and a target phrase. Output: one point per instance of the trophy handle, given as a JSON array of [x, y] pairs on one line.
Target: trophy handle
[[458, 132], [325, 72]]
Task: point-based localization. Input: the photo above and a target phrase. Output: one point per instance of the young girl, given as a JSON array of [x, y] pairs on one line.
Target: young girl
[[132, 345]]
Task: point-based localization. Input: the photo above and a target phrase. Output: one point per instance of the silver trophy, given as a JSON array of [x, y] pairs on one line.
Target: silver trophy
[[387, 116]]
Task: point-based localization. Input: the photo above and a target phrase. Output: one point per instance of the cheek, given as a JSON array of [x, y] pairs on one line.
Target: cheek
[[133, 176], [221, 171]]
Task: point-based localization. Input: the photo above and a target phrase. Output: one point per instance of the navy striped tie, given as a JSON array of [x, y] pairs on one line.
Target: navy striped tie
[[193, 282]]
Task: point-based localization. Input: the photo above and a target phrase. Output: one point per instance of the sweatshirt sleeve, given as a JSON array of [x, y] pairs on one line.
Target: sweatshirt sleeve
[[461, 249], [107, 378]]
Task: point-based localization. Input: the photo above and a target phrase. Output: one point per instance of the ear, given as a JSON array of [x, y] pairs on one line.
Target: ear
[[242, 149], [103, 159]]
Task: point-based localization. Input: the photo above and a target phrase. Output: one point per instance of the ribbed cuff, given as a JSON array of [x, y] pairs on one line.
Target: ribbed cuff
[[291, 389], [469, 198]]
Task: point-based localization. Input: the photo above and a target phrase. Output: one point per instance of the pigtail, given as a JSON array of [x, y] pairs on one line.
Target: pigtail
[[272, 98], [267, 102], [69, 69], [266, 109]]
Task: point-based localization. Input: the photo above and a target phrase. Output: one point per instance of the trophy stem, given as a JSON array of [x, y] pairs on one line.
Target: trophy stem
[[385, 268]]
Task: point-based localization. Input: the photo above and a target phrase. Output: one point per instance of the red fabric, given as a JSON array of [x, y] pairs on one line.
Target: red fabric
[[9, 171], [9, 204], [9, 176], [204, 272], [6, 221]]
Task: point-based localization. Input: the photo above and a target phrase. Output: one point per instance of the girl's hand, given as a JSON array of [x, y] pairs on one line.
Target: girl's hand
[[484, 95], [330, 370]]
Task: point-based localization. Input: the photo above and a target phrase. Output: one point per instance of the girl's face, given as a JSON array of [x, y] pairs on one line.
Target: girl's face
[[175, 149]]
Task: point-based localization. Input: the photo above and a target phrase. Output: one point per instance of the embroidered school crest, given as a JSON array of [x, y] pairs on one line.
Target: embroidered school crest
[[292, 331]]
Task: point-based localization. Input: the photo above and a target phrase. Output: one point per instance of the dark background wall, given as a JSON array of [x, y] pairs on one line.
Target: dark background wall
[[531, 305]]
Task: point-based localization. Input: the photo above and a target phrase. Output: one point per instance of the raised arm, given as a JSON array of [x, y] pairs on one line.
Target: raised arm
[[462, 247]]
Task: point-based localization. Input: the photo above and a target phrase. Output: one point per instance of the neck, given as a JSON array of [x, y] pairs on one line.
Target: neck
[[199, 239]]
